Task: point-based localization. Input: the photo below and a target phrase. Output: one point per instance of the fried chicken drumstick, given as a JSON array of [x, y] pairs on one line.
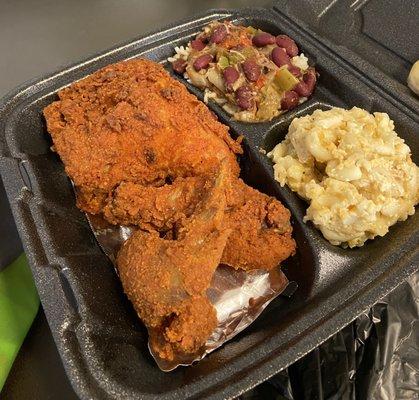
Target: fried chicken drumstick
[[141, 150]]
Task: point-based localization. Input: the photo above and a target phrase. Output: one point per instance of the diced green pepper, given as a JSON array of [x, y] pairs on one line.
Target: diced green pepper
[[284, 80], [220, 52], [235, 57], [248, 52], [268, 107], [223, 62]]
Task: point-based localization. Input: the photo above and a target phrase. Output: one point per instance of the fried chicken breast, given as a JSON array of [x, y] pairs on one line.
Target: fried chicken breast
[[132, 122]]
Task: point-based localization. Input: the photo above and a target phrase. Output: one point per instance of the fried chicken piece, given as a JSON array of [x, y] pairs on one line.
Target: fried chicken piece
[[132, 122], [186, 329], [261, 230], [155, 208], [166, 280]]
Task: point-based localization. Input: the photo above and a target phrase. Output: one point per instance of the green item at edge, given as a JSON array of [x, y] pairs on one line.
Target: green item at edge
[[284, 80], [223, 62], [19, 304]]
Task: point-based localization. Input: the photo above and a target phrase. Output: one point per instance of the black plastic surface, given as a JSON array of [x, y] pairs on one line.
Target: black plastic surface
[[382, 35], [100, 339], [37, 372]]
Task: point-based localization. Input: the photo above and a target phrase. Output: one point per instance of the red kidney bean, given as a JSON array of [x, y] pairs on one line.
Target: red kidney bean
[[288, 44], [290, 100], [197, 44], [179, 66], [230, 75], [202, 62], [219, 34], [244, 97], [263, 39], [294, 70], [251, 70], [280, 57], [306, 86]]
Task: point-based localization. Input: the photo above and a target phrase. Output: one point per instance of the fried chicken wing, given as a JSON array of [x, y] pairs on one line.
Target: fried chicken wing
[[261, 230], [167, 280]]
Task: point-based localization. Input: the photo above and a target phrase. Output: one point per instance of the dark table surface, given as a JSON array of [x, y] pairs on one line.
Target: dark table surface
[[40, 36]]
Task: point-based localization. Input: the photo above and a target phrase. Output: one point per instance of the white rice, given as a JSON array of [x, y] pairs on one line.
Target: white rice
[[181, 52], [230, 108], [209, 94], [300, 61], [220, 100]]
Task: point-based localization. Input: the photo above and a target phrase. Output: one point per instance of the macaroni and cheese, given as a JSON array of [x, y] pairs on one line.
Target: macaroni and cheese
[[353, 169]]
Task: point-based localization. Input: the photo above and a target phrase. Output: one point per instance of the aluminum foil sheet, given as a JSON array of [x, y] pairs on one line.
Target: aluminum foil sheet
[[376, 357], [238, 297]]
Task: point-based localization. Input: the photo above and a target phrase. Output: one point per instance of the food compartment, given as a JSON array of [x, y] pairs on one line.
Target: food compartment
[[336, 263], [100, 318], [257, 22]]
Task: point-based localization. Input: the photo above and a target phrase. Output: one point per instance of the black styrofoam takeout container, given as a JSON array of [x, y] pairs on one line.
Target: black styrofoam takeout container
[[102, 343]]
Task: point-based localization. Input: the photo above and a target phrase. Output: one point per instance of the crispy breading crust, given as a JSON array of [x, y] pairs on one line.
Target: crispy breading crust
[[261, 230], [142, 150], [132, 122], [167, 279]]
